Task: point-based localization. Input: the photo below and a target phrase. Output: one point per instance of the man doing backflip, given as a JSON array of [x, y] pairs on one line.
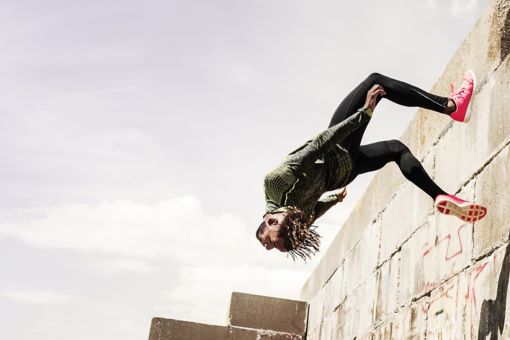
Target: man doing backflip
[[335, 157]]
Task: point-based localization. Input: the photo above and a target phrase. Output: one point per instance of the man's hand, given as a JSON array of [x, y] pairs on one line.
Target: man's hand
[[372, 95], [340, 195]]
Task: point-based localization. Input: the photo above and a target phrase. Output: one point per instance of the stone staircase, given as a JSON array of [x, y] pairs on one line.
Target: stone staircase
[[250, 317]]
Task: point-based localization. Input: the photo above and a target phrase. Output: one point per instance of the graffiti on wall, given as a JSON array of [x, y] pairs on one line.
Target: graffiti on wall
[[485, 317]]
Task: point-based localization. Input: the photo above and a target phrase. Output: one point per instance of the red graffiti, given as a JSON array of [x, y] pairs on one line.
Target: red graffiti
[[427, 248], [474, 275], [449, 238]]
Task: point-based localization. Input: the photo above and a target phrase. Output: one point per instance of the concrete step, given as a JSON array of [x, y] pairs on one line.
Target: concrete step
[[263, 312], [169, 329]]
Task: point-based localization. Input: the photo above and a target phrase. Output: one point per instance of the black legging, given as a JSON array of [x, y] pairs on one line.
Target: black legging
[[374, 156]]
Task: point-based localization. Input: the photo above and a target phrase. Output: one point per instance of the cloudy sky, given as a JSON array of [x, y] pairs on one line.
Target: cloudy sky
[[134, 137]]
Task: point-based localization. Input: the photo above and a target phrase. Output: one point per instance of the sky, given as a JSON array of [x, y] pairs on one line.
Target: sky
[[135, 136]]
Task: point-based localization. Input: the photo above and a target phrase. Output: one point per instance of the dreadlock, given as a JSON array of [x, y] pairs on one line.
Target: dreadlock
[[301, 239]]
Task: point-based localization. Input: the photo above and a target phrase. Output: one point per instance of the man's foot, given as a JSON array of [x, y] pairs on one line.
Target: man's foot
[[462, 97], [466, 211]]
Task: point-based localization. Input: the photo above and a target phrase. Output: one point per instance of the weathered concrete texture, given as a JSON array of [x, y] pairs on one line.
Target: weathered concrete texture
[[356, 314], [445, 309], [168, 329], [492, 188], [362, 259], [398, 269], [315, 314], [263, 312], [408, 323], [440, 248], [387, 288], [403, 215], [489, 127]]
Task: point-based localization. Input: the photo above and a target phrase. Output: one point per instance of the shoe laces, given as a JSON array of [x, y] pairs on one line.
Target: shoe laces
[[460, 92]]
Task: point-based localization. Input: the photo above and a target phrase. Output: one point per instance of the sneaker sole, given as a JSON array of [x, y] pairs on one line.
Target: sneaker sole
[[467, 118], [468, 212]]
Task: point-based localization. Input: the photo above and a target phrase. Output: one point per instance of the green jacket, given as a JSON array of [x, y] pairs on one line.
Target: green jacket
[[319, 165]]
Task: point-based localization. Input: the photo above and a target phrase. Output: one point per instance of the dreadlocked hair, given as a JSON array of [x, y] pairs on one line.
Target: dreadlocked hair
[[301, 239]]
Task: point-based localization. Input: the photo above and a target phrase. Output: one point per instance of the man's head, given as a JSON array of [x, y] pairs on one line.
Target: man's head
[[289, 231]]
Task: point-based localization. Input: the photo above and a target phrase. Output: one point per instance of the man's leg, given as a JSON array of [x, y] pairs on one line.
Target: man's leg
[[396, 91], [374, 156]]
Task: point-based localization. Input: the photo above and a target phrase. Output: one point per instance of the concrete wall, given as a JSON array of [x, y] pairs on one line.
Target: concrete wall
[[399, 270]]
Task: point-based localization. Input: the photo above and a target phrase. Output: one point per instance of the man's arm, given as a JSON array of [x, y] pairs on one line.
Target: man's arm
[[326, 140], [324, 204], [310, 152]]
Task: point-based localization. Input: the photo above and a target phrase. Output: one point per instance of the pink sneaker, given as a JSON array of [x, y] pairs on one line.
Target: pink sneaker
[[466, 211], [462, 97]]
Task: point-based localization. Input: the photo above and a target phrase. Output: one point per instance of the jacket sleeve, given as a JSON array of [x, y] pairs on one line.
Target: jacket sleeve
[[307, 154], [324, 205]]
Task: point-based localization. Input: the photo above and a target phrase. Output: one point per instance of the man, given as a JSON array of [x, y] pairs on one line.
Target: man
[[335, 157]]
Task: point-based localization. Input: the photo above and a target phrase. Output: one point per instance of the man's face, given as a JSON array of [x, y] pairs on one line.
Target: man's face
[[270, 238]]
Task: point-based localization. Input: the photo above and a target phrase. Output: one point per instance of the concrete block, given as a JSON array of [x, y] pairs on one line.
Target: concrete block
[[168, 329], [405, 213], [384, 331], [262, 312], [387, 288], [493, 191], [355, 315], [361, 261], [315, 311], [334, 290], [367, 297], [445, 310], [417, 267], [411, 323], [328, 327], [314, 335], [366, 336], [265, 335], [322, 317], [408, 323], [348, 317]]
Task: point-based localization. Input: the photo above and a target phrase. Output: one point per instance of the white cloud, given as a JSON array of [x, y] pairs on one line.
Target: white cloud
[[127, 236], [464, 9], [34, 296], [210, 289], [177, 229], [212, 255]]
